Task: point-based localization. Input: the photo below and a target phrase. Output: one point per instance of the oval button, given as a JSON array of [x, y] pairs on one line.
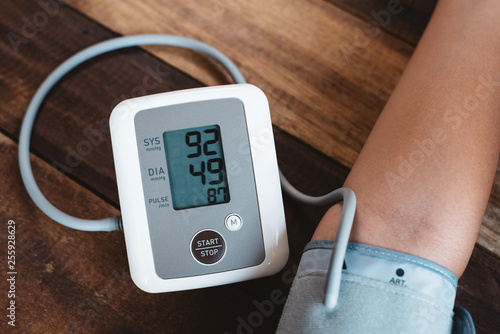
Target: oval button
[[233, 222], [208, 247]]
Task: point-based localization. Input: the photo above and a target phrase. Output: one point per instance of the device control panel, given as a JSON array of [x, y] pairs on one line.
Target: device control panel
[[199, 187], [197, 172]]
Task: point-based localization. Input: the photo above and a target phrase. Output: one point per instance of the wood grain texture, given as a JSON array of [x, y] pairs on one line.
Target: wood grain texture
[[72, 128], [76, 282], [405, 19], [308, 56], [480, 286], [489, 235]]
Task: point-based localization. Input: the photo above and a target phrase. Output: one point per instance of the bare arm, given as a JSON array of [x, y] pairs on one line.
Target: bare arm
[[425, 173]]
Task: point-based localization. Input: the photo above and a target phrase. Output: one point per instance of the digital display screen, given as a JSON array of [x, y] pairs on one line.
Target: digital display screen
[[196, 167]]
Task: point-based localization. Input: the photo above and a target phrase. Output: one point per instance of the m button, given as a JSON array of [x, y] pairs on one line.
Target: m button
[[233, 222]]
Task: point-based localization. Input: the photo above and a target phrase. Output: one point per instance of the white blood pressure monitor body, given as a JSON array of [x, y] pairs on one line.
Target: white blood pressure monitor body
[[199, 187]]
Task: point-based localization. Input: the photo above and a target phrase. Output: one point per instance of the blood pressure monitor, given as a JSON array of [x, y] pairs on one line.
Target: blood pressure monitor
[[199, 187], [198, 181]]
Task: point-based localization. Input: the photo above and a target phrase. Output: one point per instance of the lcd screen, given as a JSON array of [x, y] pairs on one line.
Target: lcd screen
[[196, 167]]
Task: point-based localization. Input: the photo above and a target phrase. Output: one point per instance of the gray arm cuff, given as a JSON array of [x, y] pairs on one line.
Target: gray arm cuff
[[366, 305]]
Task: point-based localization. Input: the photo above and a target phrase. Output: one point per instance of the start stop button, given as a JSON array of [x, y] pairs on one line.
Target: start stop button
[[208, 247]]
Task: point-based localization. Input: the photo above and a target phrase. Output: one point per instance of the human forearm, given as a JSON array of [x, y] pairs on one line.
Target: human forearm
[[423, 178]]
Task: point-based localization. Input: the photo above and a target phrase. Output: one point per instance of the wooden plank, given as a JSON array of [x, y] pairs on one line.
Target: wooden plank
[[72, 131], [479, 290], [406, 19], [489, 235], [324, 87]]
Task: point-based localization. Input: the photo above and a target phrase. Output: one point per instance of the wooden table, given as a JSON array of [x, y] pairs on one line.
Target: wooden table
[[327, 67]]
